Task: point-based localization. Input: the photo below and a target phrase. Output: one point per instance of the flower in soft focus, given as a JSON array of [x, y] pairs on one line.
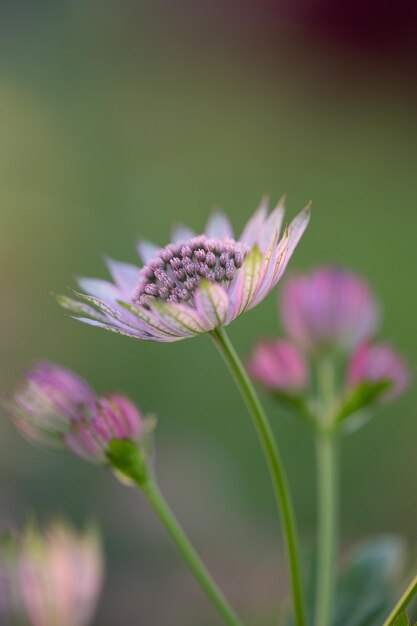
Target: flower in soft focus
[[49, 400], [279, 366], [196, 283], [375, 363], [115, 418], [328, 309], [52, 578], [56, 408]]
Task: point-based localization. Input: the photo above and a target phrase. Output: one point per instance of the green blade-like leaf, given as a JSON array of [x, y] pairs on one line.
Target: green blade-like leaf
[[402, 620], [362, 396]]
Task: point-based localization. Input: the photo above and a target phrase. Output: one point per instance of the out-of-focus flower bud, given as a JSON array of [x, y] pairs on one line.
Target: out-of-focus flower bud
[[279, 366], [377, 363], [328, 309]]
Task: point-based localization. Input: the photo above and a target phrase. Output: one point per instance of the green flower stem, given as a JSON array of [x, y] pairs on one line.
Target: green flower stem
[[327, 495], [274, 461], [167, 518], [402, 603], [327, 484]]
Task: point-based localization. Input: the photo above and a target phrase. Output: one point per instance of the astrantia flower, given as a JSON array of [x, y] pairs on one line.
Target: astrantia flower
[[194, 284], [50, 398], [56, 408], [279, 366], [328, 309], [375, 363], [52, 578], [115, 418]]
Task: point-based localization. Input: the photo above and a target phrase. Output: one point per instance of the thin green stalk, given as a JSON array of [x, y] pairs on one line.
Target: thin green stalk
[[327, 526], [327, 496], [402, 603], [274, 461], [165, 515]]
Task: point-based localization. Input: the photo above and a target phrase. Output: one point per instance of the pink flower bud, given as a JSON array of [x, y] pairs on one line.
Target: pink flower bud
[[49, 399], [115, 417], [328, 309], [379, 362], [278, 366], [56, 408]]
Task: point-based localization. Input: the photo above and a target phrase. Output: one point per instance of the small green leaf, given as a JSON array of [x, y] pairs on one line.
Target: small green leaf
[[366, 589], [298, 405], [125, 457], [364, 395], [402, 620]]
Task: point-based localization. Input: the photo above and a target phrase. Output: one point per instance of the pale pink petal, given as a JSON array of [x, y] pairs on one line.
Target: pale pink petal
[[150, 321], [124, 275], [219, 227], [182, 233], [269, 234], [112, 311], [180, 318], [212, 303], [147, 250], [99, 288], [282, 256], [111, 328], [81, 308], [253, 228], [245, 283]]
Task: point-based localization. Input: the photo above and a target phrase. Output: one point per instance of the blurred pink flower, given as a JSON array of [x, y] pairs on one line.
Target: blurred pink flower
[[115, 418], [56, 408], [48, 400], [196, 283], [379, 362], [328, 309], [53, 579], [279, 366]]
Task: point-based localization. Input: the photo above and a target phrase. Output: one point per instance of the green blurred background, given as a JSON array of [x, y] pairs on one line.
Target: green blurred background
[[118, 119]]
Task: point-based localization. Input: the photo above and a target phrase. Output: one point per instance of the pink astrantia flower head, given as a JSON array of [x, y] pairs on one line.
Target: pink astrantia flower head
[[56, 408], [50, 398], [196, 283], [328, 309], [52, 578], [115, 417], [279, 366], [377, 363]]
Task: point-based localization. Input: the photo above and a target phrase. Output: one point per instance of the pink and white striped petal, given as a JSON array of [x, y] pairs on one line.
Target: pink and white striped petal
[[212, 304], [253, 228], [245, 283], [180, 318]]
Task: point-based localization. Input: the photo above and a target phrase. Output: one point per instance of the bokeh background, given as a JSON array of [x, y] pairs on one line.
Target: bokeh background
[[120, 118]]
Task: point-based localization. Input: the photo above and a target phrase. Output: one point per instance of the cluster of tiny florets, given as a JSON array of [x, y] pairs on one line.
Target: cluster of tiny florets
[[174, 275]]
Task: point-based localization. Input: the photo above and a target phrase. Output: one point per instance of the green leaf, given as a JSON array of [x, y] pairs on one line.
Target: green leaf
[[366, 589], [362, 396], [296, 404], [402, 620], [128, 460]]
